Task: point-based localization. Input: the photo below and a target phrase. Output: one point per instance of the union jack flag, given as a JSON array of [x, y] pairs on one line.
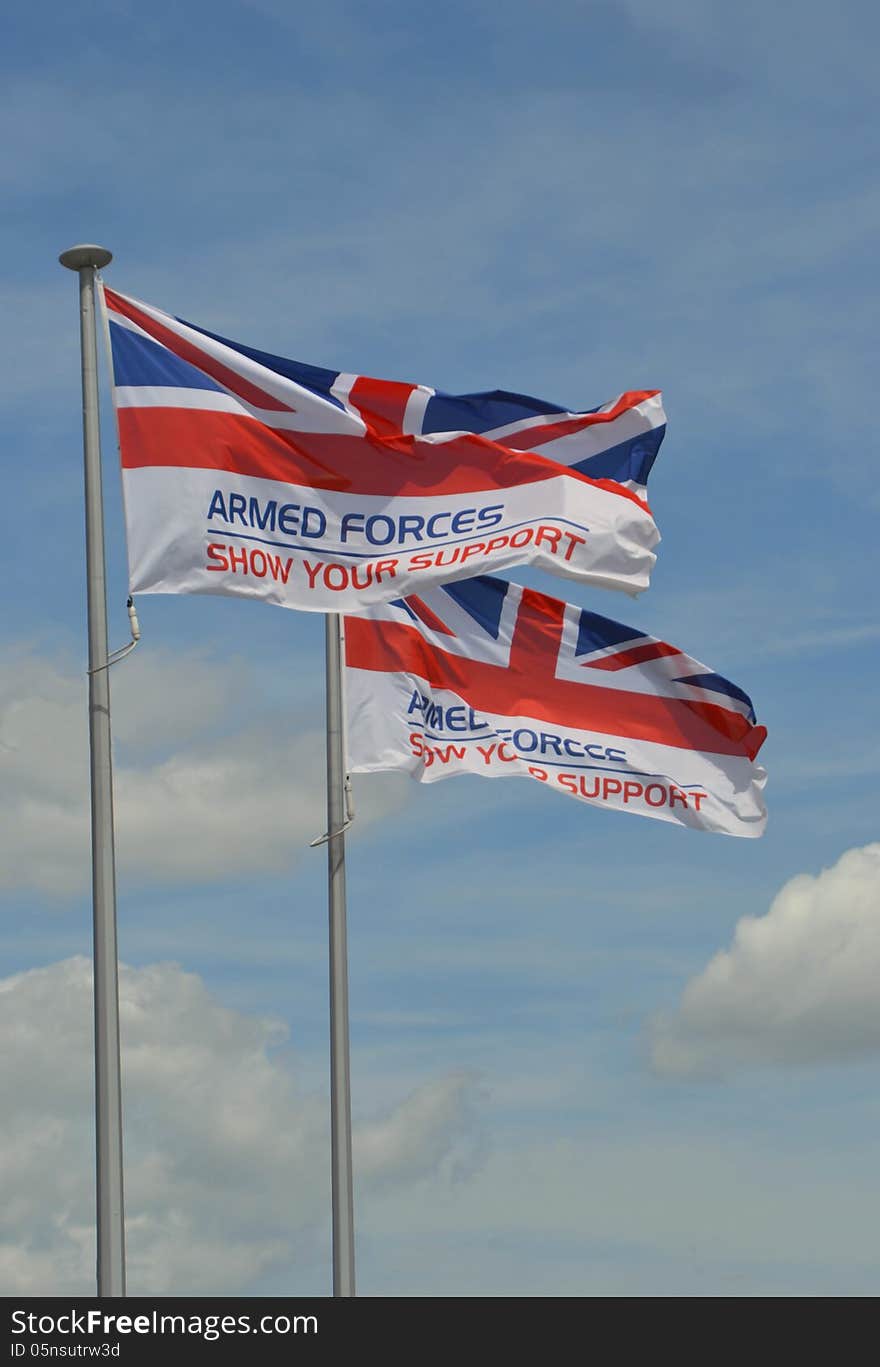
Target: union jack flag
[[568, 694], [227, 450], [159, 361]]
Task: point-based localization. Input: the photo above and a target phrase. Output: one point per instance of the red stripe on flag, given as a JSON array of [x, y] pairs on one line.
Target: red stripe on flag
[[531, 437], [382, 403], [430, 619], [654, 650], [527, 688], [230, 379], [205, 439], [537, 636]]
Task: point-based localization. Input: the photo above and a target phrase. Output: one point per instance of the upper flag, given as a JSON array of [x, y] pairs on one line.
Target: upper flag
[[248, 474], [487, 677]]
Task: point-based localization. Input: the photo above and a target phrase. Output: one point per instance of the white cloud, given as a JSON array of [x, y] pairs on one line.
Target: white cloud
[[226, 1164], [797, 986], [414, 1141], [210, 782]]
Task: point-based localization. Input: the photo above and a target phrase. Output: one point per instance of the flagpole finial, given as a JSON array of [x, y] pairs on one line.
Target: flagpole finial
[[85, 254]]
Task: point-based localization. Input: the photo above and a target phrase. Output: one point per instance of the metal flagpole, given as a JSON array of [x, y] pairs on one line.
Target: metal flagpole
[[340, 1077], [108, 1090]]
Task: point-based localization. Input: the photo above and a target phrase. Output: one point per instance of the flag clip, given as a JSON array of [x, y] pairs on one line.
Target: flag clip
[[116, 655], [328, 835]]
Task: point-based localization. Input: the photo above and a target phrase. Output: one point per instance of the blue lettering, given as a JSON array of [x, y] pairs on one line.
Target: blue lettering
[[237, 507], [519, 740], [218, 507], [351, 522], [308, 514], [411, 525], [490, 517], [288, 519], [464, 520], [372, 522], [417, 703], [267, 520], [431, 528]]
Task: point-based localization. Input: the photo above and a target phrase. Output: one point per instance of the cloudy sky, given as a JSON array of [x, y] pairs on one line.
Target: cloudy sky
[[591, 1054]]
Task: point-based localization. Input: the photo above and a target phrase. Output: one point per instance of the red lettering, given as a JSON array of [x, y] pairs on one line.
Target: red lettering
[[655, 788], [522, 537], [610, 785], [551, 534], [388, 567], [449, 752], [259, 563], [572, 542], [342, 571], [698, 797], [540, 774], [313, 571], [631, 789], [280, 571], [475, 548], [676, 795], [508, 759], [487, 754], [441, 557]]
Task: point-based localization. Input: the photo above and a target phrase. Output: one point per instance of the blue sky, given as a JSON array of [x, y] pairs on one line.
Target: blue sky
[[558, 1088]]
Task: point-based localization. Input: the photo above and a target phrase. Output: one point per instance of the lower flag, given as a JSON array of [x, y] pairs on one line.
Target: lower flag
[[487, 677]]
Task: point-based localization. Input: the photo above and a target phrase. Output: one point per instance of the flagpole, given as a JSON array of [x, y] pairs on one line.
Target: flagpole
[[340, 1076], [85, 260]]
